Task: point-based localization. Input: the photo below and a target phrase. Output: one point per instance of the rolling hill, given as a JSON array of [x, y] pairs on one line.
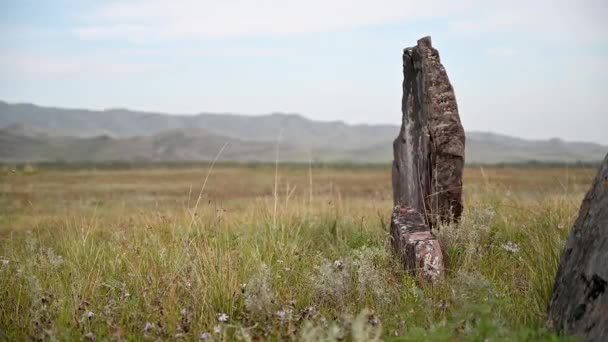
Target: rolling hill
[[33, 133], [24, 144]]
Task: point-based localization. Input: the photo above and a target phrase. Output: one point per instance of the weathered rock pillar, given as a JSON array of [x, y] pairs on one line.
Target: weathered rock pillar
[[580, 297], [428, 161]]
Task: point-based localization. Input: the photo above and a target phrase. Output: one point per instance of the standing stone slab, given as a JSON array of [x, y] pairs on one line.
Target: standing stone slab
[[580, 297], [428, 161]]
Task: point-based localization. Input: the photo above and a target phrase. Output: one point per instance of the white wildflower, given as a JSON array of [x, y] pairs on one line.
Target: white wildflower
[[217, 329], [309, 312], [510, 247], [223, 317], [205, 336], [91, 314], [283, 315]]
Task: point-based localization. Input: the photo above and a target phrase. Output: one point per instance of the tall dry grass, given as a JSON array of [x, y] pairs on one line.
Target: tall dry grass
[[126, 255]]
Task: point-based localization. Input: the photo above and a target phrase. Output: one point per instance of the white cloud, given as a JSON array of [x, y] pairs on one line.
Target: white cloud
[[131, 32], [39, 65], [233, 51], [560, 20], [155, 19]]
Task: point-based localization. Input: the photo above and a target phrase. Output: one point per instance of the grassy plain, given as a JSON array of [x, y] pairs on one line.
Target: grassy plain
[[164, 253]]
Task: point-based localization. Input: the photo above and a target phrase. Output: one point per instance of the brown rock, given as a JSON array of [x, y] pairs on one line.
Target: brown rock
[[428, 160], [579, 305], [418, 248]]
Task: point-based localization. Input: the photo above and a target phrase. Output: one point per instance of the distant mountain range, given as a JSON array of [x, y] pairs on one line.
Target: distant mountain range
[[31, 133]]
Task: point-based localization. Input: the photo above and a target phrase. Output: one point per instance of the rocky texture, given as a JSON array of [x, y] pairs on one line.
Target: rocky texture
[[418, 248], [580, 298], [428, 160]]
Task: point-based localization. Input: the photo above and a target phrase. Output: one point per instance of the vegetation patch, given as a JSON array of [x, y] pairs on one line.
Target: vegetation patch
[[121, 254]]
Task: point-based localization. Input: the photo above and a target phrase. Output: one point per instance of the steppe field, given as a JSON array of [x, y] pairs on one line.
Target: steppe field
[[265, 253]]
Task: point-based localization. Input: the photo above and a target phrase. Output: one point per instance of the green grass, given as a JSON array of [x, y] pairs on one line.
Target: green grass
[[122, 255]]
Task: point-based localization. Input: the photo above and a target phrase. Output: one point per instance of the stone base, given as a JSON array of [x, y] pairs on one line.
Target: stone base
[[413, 241]]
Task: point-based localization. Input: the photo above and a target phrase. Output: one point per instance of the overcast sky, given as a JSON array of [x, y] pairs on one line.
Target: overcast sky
[[534, 69]]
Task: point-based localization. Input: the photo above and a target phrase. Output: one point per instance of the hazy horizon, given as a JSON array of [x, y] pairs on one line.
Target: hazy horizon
[[531, 70], [395, 124]]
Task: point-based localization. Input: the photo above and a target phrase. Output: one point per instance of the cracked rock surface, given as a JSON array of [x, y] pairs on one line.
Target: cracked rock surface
[[579, 305]]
